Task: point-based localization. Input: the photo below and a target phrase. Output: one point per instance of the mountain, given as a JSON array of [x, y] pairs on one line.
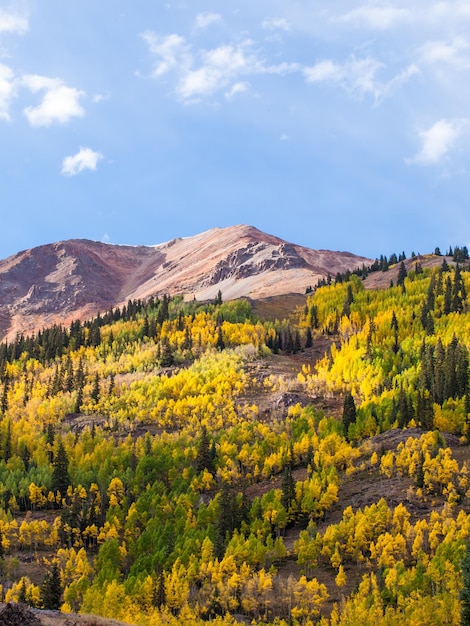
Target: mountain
[[76, 279]]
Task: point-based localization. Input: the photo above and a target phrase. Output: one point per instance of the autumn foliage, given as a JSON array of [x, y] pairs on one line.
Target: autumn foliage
[[137, 467]]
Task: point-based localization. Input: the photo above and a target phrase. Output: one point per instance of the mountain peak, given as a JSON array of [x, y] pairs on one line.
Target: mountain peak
[[77, 278]]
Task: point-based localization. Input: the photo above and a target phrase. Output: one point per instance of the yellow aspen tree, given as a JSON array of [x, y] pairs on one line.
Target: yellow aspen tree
[[340, 578]]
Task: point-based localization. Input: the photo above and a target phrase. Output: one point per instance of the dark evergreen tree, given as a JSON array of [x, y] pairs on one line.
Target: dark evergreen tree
[[308, 338], [94, 333], [25, 456], [288, 346], [160, 591], [68, 378], [394, 327], [146, 327], [429, 325], [420, 472], [51, 589], [220, 344], [369, 338], [60, 471], [348, 300], [152, 328], [404, 412], [288, 487], [95, 392], [224, 525], [50, 437], [167, 359], [297, 347], [163, 311], [22, 591], [204, 457], [6, 386], [57, 381], [7, 450], [439, 378], [402, 274], [425, 410], [459, 293], [448, 296], [349, 412]]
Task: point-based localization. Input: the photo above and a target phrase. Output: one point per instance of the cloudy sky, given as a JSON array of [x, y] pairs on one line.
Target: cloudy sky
[[333, 124]]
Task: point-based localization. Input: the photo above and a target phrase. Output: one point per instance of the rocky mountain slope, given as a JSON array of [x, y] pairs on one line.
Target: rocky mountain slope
[[76, 279]]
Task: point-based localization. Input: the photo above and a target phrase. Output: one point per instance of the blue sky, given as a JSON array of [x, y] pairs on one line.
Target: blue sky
[[341, 125]]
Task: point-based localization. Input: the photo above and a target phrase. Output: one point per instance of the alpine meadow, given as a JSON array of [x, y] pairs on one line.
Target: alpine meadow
[[174, 461]]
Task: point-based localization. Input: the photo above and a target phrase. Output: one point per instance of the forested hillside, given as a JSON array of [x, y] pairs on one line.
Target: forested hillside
[[173, 462]]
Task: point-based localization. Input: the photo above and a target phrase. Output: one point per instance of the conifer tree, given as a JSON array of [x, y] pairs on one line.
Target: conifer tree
[[204, 458], [458, 291], [60, 471], [308, 338], [402, 274], [22, 591], [394, 327], [448, 296], [79, 383], [6, 386], [167, 359], [7, 447], [51, 589], [220, 344], [288, 487], [349, 412], [95, 392], [50, 437], [160, 592], [297, 347], [146, 327]]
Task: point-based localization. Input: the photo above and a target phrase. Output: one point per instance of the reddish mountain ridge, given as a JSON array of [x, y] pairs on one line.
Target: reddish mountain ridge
[[76, 279]]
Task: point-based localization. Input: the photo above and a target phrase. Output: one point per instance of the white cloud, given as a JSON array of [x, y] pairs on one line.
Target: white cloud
[[283, 68], [219, 68], [203, 20], [85, 159], [437, 142], [357, 76], [276, 24], [171, 52], [323, 71], [398, 80], [12, 23], [452, 53], [198, 74], [59, 104], [377, 18], [450, 10], [99, 97], [240, 87], [6, 91]]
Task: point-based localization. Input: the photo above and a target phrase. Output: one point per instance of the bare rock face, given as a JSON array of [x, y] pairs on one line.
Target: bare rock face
[[76, 279], [18, 615]]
